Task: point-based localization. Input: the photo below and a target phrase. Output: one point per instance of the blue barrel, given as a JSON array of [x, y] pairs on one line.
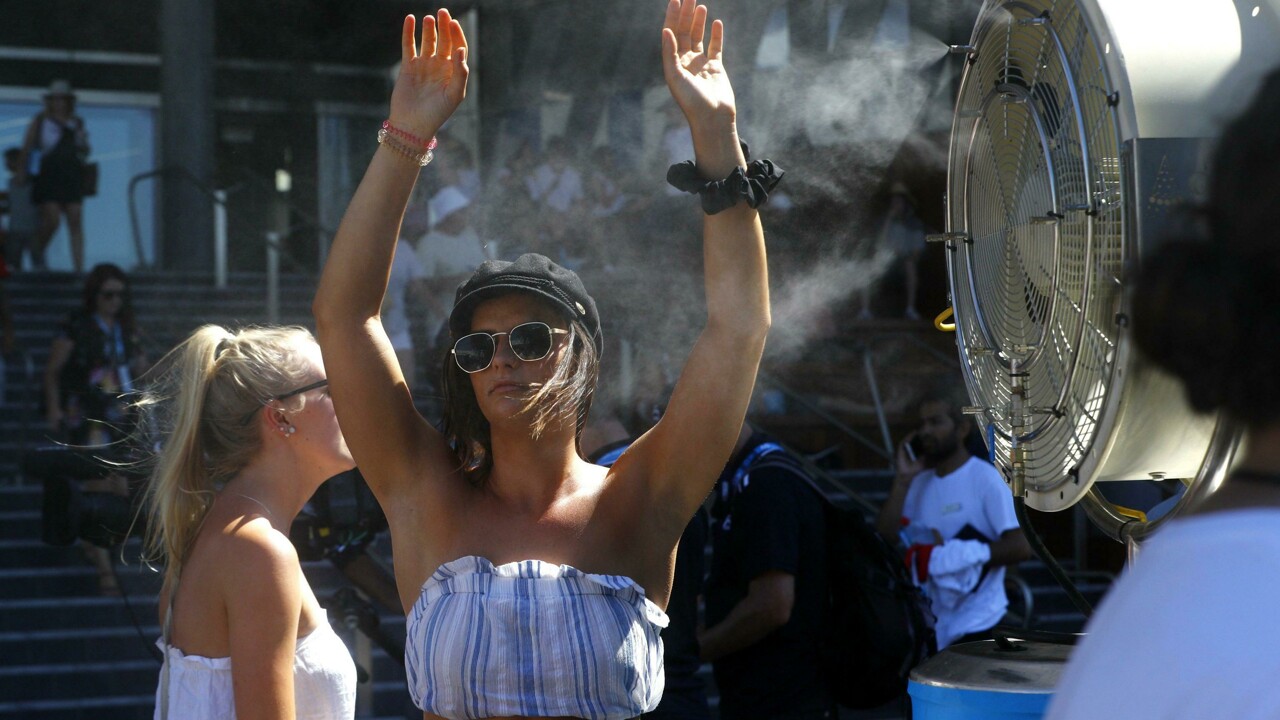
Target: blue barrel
[[986, 681]]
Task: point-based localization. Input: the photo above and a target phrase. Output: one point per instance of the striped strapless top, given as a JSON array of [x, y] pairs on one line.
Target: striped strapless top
[[535, 639]]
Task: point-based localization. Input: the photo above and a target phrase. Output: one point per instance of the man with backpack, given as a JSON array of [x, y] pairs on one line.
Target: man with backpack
[[954, 515], [767, 594]]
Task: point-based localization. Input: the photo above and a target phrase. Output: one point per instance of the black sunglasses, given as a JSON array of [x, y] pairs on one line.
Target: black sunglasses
[[305, 388], [285, 396], [529, 341]]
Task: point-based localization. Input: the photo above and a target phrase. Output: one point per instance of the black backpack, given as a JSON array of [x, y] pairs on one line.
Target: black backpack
[[880, 625]]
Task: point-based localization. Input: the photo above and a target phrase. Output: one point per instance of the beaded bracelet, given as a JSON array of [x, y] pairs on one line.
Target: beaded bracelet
[[413, 139], [407, 144]]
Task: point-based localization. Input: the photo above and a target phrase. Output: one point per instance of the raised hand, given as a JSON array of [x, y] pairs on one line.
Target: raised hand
[[695, 75], [433, 80]]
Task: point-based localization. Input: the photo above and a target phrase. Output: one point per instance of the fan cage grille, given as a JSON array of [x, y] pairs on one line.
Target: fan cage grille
[[1035, 185]]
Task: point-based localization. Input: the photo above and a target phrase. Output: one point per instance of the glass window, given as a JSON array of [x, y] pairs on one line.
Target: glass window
[[123, 142]]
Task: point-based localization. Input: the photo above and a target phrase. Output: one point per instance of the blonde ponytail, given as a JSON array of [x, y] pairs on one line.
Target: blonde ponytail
[[197, 410]]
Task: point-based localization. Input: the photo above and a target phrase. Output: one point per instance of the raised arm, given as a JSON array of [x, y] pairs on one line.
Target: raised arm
[[684, 453], [389, 440]]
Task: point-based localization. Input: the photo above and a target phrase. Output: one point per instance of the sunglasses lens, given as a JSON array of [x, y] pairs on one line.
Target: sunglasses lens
[[473, 353], [531, 341]]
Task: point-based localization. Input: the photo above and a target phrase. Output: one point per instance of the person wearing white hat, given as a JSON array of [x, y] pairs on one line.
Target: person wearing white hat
[[448, 252], [54, 152]]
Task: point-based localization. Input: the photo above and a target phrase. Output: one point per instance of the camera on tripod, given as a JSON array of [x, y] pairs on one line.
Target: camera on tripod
[[67, 512]]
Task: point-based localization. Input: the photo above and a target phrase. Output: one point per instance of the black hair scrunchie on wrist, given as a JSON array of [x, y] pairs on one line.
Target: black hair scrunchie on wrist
[[717, 195]]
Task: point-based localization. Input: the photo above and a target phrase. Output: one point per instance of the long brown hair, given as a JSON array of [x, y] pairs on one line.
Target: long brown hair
[[93, 282], [567, 394]]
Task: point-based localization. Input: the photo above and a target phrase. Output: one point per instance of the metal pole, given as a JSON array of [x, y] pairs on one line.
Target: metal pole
[[869, 368], [220, 238], [626, 374], [1080, 529], [273, 278], [364, 691]]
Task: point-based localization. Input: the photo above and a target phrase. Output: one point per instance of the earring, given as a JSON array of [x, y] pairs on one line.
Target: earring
[[289, 430]]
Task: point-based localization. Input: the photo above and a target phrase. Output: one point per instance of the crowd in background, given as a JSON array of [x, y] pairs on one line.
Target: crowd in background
[[622, 228]]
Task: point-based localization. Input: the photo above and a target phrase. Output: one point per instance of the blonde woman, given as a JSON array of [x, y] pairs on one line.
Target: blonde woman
[[248, 434], [534, 581]]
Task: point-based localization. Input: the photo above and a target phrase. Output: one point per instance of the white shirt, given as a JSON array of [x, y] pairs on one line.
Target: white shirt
[[51, 132], [324, 681], [567, 191], [1190, 631], [442, 255], [405, 269], [971, 499]]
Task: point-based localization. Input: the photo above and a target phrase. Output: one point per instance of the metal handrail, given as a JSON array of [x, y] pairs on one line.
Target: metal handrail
[[218, 198], [886, 451], [812, 407]]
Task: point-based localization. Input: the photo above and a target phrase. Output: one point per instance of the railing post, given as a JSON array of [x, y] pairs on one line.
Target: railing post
[[868, 366], [273, 278], [364, 659], [626, 375], [220, 239]]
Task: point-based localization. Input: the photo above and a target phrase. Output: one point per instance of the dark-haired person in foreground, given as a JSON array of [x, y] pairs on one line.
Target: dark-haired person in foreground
[[1190, 629], [533, 581]]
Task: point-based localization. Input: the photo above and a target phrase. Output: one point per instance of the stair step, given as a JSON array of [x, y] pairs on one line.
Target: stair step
[[76, 612], [70, 581], [102, 644], [13, 499], [68, 681], [105, 707], [20, 524], [35, 553]]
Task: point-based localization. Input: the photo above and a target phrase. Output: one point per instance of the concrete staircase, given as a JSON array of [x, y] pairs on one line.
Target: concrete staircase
[[65, 651], [168, 306]]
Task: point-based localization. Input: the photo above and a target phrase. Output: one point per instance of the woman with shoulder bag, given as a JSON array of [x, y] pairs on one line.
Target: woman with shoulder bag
[[59, 143]]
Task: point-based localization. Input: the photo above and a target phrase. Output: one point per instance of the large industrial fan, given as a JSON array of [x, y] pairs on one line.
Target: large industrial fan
[[1080, 127]]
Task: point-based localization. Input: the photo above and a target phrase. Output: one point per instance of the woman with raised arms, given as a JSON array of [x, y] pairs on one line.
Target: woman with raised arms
[[534, 581]]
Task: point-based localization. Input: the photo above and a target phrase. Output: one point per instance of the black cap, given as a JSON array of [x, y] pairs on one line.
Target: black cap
[[532, 273]]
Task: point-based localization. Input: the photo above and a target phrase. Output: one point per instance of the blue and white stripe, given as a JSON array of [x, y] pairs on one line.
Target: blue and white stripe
[[535, 639]]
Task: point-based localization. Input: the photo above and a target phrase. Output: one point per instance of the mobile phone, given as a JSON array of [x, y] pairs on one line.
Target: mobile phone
[[913, 448]]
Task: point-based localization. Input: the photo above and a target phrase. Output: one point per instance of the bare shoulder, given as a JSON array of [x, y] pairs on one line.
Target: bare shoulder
[[252, 548]]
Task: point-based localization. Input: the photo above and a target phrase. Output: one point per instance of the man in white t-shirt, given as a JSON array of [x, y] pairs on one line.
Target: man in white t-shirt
[[954, 514], [448, 254]]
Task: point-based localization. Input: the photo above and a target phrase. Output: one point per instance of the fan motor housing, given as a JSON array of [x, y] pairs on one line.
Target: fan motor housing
[[1080, 128]]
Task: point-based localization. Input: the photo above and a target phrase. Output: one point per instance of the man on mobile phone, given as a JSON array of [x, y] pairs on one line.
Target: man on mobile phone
[[953, 515]]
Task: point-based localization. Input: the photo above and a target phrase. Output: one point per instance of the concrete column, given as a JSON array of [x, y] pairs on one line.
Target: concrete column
[[187, 133]]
